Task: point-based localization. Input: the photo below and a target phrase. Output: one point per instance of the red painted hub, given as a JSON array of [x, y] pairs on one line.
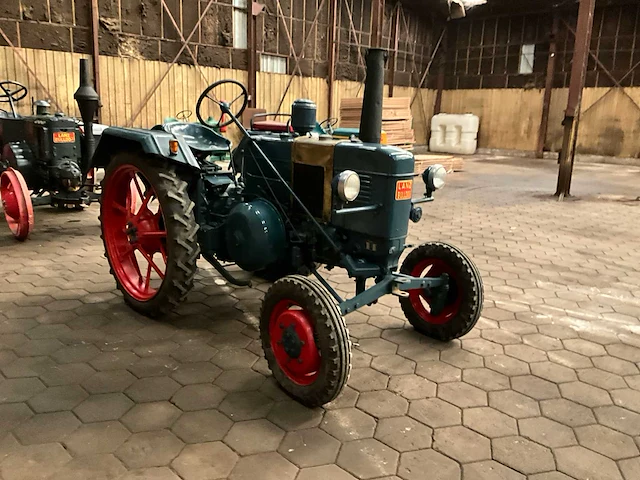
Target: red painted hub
[[293, 342], [16, 203], [134, 232], [433, 268]]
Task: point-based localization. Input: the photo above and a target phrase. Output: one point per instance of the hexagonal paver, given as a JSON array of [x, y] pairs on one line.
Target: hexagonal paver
[[100, 408], [199, 397], [152, 389], [76, 354], [438, 372], [95, 466], [368, 458], [205, 461], [291, 415], [66, 374], [553, 372], [254, 436], [202, 426], [522, 455], [324, 472], [34, 462], [627, 398], [584, 347], [117, 360], [377, 346], [403, 434], [12, 415], [462, 394], [547, 432], [55, 399], [585, 394], [47, 427], [526, 353], [241, 380], [348, 424], [19, 389], [514, 404], [535, 387], [606, 441], [567, 412], [382, 404], [265, 466], [580, 463], [95, 438], [367, 379], [615, 365], [602, 379], [412, 387], [570, 359], [507, 365], [112, 381], [462, 444], [461, 358], [149, 449], [485, 379], [197, 372], [489, 422], [150, 416], [630, 468], [488, 470], [435, 412], [234, 358], [309, 448], [414, 465], [618, 418]]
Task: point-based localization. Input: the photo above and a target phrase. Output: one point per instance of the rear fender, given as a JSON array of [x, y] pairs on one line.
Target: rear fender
[[152, 142]]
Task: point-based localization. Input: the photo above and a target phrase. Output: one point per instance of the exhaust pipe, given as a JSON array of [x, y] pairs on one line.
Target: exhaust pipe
[[371, 117], [88, 102]]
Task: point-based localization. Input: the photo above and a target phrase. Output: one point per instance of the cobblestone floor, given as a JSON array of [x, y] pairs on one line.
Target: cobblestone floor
[[547, 387]]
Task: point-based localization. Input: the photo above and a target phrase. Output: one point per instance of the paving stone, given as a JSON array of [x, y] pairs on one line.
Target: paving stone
[[412, 387], [462, 444], [348, 424], [102, 466], [514, 404], [507, 365], [202, 426], [12, 415], [152, 389], [418, 352], [197, 372], [606, 441], [205, 461], [413, 466], [522, 455], [547, 432], [600, 378], [100, 408], [265, 466], [291, 415], [55, 399], [584, 347], [587, 395], [485, 379], [19, 389], [618, 418], [624, 398], [47, 427], [567, 412], [526, 353], [489, 422], [501, 336], [324, 472], [309, 448], [625, 352], [580, 463], [570, 359], [489, 470], [153, 473], [403, 434], [76, 354], [113, 381], [553, 372], [117, 360], [461, 358], [96, 438], [367, 379], [368, 458], [534, 387], [149, 449], [254, 436], [27, 367], [382, 404], [550, 476], [159, 366], [34, 462], [435, 412], [462, 394], [630, 468], [241, 380], [234, 358], [542, 342], [393, 365], [150, 416], [348, 398], [438, 372]]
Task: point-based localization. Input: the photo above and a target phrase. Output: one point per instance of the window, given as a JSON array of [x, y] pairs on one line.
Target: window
[[273, 64], [239, 23], [527, 55]]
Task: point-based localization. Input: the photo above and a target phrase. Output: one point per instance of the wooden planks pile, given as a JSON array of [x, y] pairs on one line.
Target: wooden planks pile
[[397, 121], [450, 162]]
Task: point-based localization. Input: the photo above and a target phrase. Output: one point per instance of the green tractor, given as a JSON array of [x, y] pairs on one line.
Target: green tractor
[[288, 202]]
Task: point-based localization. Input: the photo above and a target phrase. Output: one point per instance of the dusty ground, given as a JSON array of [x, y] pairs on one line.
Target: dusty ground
[[547, 386]]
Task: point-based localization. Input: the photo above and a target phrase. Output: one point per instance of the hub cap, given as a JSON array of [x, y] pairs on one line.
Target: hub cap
[[434, 268], [293, 342], [134, 232], [16, 203]]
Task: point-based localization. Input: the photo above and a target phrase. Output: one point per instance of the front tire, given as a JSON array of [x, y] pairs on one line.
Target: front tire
[[305, 340], [463, 304], [149, 232]]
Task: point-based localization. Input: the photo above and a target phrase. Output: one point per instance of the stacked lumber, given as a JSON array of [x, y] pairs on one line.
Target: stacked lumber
[[397, 121], [450, 162]]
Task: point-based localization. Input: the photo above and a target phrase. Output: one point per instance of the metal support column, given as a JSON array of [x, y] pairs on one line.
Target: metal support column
[[252, 55], [394, 53], [95, 48], [548, 87], [377, 20], [572, 114], [333, 25]]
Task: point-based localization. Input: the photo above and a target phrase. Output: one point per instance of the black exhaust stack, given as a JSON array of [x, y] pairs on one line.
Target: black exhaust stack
[[371, 117], [88, 103]]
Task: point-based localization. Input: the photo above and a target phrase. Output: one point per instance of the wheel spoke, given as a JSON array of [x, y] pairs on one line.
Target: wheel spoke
[[214, 99], [119, 208], [136, 180], [235, 99], [147, 280], [153, 234], [149, 259], [145, 203]]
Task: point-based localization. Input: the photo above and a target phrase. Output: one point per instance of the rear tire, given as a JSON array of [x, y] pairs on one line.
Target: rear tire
[[464, 301], [305, 340], [170, 232]]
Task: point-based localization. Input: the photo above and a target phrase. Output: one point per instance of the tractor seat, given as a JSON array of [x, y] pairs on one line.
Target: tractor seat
[[200, 139], [271, 126]]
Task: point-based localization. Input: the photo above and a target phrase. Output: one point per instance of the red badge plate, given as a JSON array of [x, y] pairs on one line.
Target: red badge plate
[[64, 137], [404, 189]]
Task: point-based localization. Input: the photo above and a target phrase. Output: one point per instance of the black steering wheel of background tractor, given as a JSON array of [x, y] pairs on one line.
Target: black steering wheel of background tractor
[[330, 123], [184, 115], [210, 95], [11, 92]]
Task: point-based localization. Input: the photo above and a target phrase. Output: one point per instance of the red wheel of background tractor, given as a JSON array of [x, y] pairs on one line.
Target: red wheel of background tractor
[[463, 303], [305, 340], [16, 203], [149, 233]]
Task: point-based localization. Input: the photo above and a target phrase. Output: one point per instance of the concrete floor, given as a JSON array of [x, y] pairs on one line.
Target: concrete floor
[[546, 387]]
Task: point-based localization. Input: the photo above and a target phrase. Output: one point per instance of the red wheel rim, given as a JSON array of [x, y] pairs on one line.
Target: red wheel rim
[[134, 231], [16, 203], [433, 268], [293, 342]]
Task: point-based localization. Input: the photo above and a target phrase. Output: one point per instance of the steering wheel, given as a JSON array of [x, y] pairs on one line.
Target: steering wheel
[[12, 91], [220, 105], [184, 115], [330, 123]]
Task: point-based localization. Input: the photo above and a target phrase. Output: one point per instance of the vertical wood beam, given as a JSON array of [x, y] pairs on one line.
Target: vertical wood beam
[[95, 49], [377, 21], [333, 25], [576, 85], [548, 87], [252, 48], [395, 38]]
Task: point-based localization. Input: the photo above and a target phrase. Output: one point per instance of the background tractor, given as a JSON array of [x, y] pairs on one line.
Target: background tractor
[[46, 154], [288, 202]]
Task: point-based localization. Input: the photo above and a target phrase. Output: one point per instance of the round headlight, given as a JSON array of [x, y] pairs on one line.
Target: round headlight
[[348, 185], [435, 177]]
